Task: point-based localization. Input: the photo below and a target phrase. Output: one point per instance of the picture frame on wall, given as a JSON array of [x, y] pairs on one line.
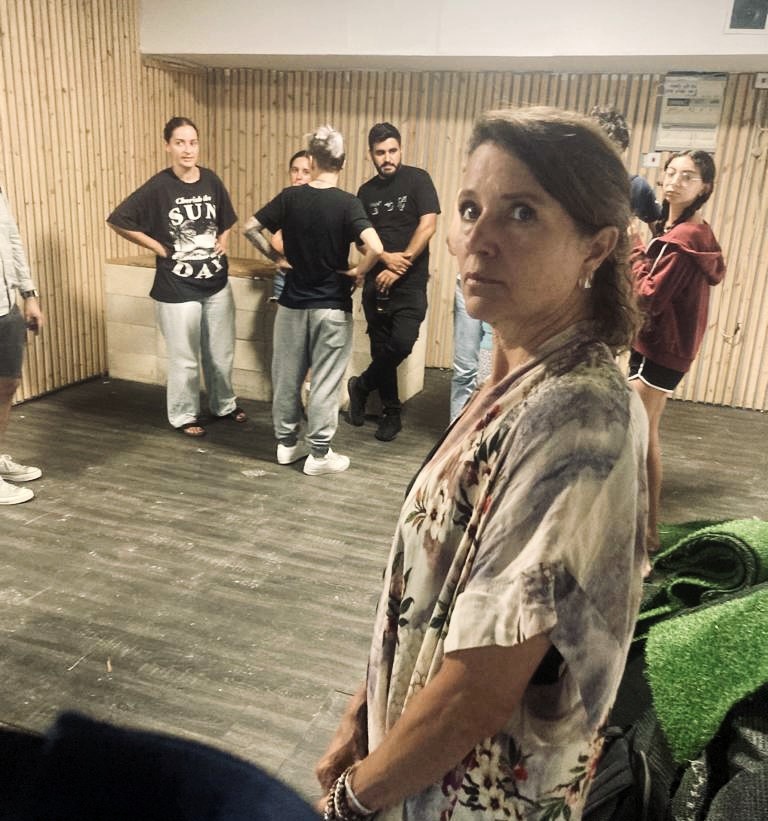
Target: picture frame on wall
[[748, 16]]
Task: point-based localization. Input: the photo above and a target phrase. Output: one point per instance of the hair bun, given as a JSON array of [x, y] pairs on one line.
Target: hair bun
[[333, 140]]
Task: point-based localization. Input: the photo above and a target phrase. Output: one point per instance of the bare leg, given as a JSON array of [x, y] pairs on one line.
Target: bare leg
[[654, 401], [8, 386]]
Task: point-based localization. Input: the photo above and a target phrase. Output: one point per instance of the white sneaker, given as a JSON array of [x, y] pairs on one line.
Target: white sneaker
[[287, 455], [12, 495], [14, 472], [330, 463]]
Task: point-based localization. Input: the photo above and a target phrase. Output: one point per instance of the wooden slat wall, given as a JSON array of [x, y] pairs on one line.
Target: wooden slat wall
[[261, 116], [732, 368], [80, 128], [81, 123]]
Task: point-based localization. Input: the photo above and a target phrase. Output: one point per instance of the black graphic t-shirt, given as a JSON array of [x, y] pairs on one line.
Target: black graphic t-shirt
[[395, 205], [186, 218], [318, 226]]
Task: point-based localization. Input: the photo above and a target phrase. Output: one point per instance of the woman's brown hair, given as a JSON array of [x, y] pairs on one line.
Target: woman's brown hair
[[576, 163]]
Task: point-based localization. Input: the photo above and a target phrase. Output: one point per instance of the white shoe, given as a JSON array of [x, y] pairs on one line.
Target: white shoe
[[14, 472], [287, 455], [12, 495], [330, 463]]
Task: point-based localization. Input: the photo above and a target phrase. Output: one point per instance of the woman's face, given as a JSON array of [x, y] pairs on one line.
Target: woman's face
[[682, 182], [299, 171], [520, 254], [183, 147]]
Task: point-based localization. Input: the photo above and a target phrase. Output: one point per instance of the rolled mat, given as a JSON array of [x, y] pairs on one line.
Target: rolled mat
[[701, 561], [703, 662]]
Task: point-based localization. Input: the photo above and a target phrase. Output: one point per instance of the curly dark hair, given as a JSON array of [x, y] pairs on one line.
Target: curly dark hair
[[613, 123]]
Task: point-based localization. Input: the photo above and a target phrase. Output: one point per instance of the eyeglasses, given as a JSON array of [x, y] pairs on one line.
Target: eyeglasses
[[683, 177]]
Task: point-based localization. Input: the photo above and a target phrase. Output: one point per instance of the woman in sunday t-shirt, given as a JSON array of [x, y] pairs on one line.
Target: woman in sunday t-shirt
[[184, 215]]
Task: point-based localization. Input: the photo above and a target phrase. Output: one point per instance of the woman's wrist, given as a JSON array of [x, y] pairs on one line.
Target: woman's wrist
[[343, 804], [352, 798]]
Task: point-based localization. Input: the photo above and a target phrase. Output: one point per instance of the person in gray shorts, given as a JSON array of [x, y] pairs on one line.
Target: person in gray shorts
[[14, 276]]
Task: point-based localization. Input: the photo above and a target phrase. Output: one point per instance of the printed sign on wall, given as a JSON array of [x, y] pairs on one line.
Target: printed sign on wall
[[691, 105]]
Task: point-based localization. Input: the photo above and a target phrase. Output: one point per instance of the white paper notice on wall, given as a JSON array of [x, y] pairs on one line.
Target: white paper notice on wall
[[691, 106]]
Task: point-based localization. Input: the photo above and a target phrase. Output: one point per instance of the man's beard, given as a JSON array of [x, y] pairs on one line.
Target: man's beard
[[392, 169]]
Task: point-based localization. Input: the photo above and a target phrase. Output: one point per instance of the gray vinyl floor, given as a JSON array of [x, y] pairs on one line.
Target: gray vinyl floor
[[195, 587]]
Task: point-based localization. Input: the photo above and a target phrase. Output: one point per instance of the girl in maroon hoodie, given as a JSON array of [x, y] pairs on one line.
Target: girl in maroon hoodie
[[673, 276]]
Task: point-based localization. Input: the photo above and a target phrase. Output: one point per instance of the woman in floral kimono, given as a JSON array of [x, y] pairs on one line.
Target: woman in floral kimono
[[514, 578]]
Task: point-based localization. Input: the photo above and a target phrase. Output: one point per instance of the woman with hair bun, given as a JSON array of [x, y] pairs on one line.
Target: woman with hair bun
[[313, 326], [673, 276]]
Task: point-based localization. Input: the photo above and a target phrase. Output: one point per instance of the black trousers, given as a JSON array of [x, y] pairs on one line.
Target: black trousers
[[393, 332]]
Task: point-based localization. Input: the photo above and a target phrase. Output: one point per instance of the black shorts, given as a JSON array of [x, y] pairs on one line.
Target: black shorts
[[13, 337], [656, 376]]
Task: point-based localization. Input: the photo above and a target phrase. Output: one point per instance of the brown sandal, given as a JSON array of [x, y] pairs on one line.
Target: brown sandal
[[193, 429], [237, 415]]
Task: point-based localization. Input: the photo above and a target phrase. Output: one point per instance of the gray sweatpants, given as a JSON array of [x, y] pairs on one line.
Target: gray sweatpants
[[199, 332], [316, 338]]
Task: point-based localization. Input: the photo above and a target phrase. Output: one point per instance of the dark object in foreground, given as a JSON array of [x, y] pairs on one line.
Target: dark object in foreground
[[85, 769]]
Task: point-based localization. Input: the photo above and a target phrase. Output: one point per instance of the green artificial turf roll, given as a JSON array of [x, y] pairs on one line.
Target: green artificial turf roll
[[703, 662], [701, 561]]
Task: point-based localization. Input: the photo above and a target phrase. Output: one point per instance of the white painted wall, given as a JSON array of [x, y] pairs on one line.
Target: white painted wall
[[241, 30]]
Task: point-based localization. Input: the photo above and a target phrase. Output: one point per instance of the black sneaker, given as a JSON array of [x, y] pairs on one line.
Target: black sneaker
[[357, 399], [389, 426]]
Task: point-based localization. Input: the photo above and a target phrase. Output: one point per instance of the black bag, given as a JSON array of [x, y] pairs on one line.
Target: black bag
[[621, 788], [637, 778]]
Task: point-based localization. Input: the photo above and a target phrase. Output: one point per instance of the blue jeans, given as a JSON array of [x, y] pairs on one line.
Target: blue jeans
[[467, 336], [278, 285], [199, 332], [304, 338]]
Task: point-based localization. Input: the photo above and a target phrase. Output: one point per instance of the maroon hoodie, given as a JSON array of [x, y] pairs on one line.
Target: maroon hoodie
[[673, 276]]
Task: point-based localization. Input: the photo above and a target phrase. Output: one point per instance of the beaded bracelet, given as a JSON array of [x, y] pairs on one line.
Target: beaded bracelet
[[339, 799]]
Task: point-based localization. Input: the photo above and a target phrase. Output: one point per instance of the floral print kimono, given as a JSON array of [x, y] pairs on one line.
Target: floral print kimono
[[528, 518]]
